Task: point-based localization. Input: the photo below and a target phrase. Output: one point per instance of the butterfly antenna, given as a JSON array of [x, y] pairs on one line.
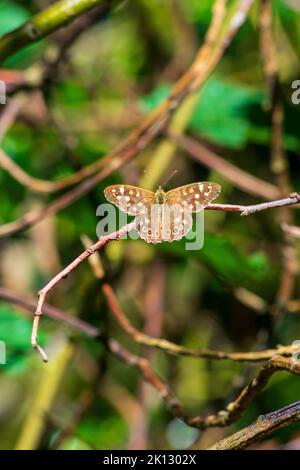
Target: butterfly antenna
[[169, 177]]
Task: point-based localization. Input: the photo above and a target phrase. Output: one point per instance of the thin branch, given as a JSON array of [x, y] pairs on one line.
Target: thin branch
[[161, 157], [29, 305], [43, 24], [236, 408], [7, 118], [233, 410], [49, 74], [240, 178], [65, 39], [292, 230], [294, 198], [178, 350], [63, 274], [9, 114], [267, 47], [262, 427], [144, 367], [35, 216], [150, 128], [56, 314], [279, 160], [279, 163], [34, 184]]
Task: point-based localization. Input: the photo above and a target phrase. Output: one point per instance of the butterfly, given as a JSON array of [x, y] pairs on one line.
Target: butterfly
[[162, 216]]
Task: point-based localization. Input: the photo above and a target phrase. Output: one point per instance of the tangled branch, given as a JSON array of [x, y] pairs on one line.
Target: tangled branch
[[262, 427], [43, 24], [203, 65]]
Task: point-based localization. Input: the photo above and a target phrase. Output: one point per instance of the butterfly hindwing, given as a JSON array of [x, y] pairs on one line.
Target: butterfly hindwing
[[164, 223]]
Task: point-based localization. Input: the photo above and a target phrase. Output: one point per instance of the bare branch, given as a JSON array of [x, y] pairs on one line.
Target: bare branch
[[29, 305], [292, 199], [151, 127], [279, 160], [43, 24], [63, 274], [240, 178], [176, 349], [233, 410], [262, 427]]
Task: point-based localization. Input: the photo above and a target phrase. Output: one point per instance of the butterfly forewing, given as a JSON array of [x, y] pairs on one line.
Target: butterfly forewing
[[128, 198], [194, 197]]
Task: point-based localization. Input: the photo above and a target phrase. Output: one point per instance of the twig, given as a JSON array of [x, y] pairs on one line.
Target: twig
[[7, 118], [43, 24], [233, 410], [52, 312], [241, 179], [35, 216], [35, 184], [162, 156], [262, 427], [176, 349], [58, 315], [279, 161], [147, 131], [280, 169], [267, 47], [231, 413], [148, 374], [9, 114], [291, 230], [63, 274], [294, 198], [66, 39], [49, 75]]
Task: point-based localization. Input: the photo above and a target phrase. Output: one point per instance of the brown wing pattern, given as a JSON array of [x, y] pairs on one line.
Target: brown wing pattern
[[194, 196], [163, 224], [129, 199]]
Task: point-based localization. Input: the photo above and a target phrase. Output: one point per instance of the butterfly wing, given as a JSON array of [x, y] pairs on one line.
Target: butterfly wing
[[195, 196], [129, 199]]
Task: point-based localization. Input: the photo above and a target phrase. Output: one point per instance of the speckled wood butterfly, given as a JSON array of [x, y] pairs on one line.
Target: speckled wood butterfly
[[162, 216]]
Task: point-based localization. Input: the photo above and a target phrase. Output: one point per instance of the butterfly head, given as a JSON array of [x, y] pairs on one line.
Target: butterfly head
[[160, 196]]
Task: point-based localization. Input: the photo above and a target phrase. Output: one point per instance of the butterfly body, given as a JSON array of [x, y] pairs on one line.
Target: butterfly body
[[160, 196], [162, 216]]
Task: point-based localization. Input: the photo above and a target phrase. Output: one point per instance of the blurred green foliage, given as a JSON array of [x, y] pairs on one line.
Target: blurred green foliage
[[116, 71]]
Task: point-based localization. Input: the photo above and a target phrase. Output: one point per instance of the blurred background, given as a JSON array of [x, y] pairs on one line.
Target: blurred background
[[120, 66]]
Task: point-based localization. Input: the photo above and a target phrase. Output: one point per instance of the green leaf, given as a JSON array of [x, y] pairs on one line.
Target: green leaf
[[15, 329], [222, 112], [153, 99], [12, 15], [222, 256]]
